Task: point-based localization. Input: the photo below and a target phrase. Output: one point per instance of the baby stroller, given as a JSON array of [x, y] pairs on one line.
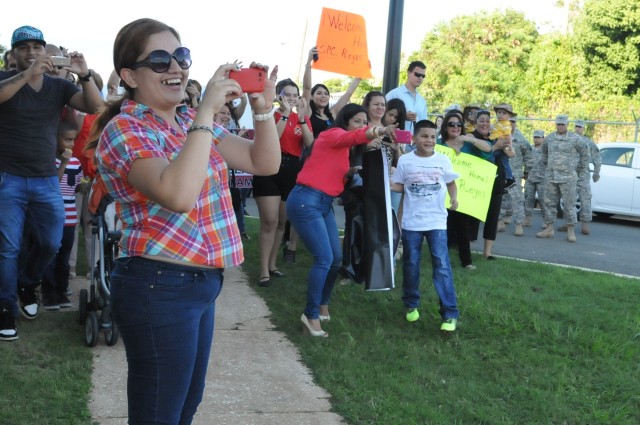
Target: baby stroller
[[95, 304]]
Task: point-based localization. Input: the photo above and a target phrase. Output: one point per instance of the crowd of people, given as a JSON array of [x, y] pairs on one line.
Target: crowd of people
[[167, 150]]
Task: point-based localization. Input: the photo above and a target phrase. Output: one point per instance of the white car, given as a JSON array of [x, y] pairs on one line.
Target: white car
[[618, 190]]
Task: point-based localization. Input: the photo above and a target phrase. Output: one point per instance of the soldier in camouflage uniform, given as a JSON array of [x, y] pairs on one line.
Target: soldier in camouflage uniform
[[566, 158], [584, 185], [513, 200], [535, 179]]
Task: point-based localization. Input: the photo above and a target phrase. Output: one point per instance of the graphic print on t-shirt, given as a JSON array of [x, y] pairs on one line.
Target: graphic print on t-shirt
[[424, 182]]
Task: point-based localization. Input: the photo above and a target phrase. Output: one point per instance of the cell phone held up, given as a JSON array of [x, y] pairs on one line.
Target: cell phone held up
[[403, 136], [60, 61], [251, 80]]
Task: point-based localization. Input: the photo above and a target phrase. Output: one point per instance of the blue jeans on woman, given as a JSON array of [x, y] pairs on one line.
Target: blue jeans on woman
[[310, 211], [35, 202], [442, 275], [165, 314]]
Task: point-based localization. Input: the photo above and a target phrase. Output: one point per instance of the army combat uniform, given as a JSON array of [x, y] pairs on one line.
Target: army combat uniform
[[534, 183], [566, 158], [513, 200], [584, 184]]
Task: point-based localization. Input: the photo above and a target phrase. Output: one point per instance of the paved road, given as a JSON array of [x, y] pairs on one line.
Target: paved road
[[613, 246]]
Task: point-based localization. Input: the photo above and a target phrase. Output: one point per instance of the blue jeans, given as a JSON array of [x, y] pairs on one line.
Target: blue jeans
[[56, 278], [35, 202], [311, 213], [442, 275], [165, 313]]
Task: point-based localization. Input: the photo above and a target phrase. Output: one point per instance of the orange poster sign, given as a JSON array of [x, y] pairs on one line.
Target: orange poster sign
[[342, 44]]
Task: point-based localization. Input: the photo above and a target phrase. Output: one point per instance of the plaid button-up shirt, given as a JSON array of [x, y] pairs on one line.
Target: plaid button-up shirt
[[207, 235]]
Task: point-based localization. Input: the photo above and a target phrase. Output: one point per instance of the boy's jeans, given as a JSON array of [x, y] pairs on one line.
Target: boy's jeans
[[442, 275]]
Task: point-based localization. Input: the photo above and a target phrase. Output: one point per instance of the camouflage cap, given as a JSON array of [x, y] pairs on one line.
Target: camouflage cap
[[507, 107], [538, 133], [562, 119], [580, 123]]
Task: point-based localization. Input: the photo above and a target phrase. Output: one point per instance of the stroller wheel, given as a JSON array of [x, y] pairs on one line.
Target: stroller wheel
[[111, 335], [82, 306], [91, 330]]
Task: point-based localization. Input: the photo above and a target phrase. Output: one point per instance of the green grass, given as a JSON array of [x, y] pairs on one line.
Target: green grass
[[45, 377], [536, 344]]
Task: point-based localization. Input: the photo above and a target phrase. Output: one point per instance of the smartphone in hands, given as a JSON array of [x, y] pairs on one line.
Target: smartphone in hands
[[60, 61], [251, 80], [403, 136]]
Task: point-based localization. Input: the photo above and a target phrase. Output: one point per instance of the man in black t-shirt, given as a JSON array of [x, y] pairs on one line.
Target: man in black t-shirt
[[31, 104]]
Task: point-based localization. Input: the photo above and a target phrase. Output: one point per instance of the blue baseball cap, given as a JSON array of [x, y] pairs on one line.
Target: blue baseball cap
[[27, 33]]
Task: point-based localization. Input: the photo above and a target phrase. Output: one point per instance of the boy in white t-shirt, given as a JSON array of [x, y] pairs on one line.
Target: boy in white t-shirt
[[422, 176]]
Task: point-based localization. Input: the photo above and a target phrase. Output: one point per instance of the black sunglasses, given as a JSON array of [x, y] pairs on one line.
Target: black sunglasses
[[417, 74], [160, 60], [454, 124]]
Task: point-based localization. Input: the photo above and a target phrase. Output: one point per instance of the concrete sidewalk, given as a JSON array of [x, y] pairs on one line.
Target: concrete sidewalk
[[255, 375]]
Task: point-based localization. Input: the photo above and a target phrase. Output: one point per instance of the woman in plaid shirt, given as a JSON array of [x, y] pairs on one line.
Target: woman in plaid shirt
[[166, 166]]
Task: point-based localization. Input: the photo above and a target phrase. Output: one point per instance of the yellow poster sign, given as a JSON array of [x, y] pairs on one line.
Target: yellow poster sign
[[474, 184], [342, 44]]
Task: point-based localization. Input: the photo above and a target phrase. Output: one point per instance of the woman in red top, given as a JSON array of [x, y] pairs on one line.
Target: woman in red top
[[271, 192], [310, 205]]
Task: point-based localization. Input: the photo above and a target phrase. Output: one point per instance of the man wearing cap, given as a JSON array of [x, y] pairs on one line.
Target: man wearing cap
[[584, 185], [415, 104], [567, 160], [535, 180], [31, 104], [513, 200]]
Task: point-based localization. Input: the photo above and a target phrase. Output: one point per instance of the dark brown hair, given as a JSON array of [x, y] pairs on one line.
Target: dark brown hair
[[130, 42], [443, 129]]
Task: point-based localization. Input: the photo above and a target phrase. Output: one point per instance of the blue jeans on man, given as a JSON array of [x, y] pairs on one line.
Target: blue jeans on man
[[35, 202], [310, 211], [442, 275], [165, 313]]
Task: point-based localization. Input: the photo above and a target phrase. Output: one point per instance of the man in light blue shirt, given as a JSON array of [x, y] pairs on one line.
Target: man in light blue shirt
[[415, 104]]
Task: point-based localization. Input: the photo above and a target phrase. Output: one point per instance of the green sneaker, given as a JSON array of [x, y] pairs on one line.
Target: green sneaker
[[412, 315], [449, 325]]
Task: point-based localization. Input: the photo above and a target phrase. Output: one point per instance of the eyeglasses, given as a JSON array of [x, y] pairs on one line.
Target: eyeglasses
[[417, 74], [160, 60], [454, 124]]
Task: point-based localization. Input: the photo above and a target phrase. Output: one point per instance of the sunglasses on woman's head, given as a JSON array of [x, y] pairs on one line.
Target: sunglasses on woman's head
[[160, 60], [454, 124]]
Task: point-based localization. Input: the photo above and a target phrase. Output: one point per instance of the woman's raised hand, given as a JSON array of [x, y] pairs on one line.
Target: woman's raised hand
[[220, 89], [313, 51], [261, 103], [389, 131]]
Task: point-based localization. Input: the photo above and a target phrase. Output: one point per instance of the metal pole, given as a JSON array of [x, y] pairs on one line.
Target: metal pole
[[393, 46]]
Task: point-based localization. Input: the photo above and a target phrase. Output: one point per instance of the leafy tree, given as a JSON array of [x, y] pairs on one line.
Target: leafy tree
[[481, 57], [337, 85], [2, 50], [553, 73], [608, 33]]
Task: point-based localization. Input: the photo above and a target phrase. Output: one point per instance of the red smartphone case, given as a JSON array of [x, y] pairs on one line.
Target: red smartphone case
[[251, 80], [403, 136]]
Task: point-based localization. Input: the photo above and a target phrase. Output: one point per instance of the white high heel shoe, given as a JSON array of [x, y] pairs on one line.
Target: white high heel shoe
[[312, 331], [324, 318]]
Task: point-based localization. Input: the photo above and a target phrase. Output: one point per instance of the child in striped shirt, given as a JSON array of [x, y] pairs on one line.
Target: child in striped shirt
[[56, 279]]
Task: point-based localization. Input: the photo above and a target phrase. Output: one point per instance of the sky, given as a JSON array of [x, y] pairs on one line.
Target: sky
[[270, 32]]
